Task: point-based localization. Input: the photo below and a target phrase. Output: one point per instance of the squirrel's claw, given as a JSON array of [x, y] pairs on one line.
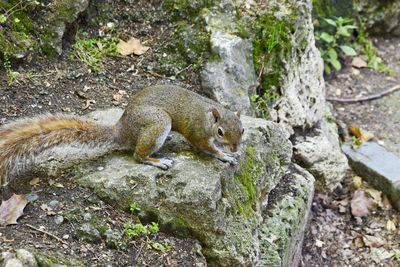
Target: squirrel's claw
[[227, 157]]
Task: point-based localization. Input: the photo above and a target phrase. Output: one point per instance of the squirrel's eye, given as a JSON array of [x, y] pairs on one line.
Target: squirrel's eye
[[220, 132], [242, 130]]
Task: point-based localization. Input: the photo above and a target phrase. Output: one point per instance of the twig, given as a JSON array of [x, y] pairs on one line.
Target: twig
[[140, 250], [365, 98], [47, 233]]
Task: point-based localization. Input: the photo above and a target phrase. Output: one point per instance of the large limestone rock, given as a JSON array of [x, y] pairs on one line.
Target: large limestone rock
[[219, 204], [285, 219], [380, 17], [319, 152], [231, 78]]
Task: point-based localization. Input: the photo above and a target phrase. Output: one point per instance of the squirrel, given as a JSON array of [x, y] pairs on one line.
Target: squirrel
[[144, 126]]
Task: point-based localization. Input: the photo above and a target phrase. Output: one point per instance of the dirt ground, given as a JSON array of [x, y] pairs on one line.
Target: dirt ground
[[335, 237], [65, 85]]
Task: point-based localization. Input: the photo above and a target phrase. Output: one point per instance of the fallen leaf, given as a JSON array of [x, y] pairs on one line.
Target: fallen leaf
[[319, 243], [375, 197], [373, 241], [358, 62], [366, 136], [390, 226], [354, 130], [133, 46], [12, 209], [359, 204], [386, 203], [357, 182], [34, 181], [358, 242]]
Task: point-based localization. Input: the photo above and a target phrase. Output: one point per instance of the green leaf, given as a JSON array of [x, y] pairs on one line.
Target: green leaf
[[335, 63], [16, 20], [348, 51], [332, 54], [3, 18], [327, 37], [327, 69], [331, 22], [343, 31]]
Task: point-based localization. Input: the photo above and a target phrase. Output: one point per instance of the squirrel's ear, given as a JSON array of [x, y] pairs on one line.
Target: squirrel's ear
[[215, 114], [238, 113]]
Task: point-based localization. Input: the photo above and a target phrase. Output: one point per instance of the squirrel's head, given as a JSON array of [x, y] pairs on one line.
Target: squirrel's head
[[227, 129]]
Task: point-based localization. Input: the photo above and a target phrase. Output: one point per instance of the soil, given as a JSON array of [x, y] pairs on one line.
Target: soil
[[335, 237], [66, 85]]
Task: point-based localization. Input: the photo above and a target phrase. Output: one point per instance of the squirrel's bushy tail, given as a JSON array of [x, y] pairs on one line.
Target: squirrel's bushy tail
[[22, 140]]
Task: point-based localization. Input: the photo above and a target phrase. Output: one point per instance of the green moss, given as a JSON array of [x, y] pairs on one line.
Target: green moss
[[186, 8], [44, 260], [272, 44], [245, 197], [178, 226]]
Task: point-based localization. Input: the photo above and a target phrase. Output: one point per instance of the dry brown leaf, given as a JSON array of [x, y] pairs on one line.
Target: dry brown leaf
[[354, 130], [366, 136], [358, 242], [360, 203], [386, 203], [358, 62], [12, 209], [357, 182], [34, 181], [373, 241], [375, 197], [133, 46], [390, 225]]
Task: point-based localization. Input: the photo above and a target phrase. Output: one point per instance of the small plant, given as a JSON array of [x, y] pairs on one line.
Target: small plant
[[91, 51], [160, 247], [153, 228], [134, 207], [135, 230], [335, 43], [11, 75]]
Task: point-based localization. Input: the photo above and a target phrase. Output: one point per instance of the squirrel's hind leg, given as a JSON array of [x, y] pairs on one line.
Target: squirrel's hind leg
[[152, 138]]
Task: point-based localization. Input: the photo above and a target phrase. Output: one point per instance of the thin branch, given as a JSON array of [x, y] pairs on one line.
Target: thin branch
[[47, 233], [365, 98]]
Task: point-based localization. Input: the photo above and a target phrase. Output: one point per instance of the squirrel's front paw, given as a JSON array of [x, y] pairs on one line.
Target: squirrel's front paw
[[225, 157], [165, 163]]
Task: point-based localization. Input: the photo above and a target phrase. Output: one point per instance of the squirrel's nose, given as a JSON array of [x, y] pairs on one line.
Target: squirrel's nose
[[234, 148]]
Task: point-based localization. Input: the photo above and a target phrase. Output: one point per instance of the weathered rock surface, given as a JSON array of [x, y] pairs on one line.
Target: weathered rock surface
[[231, 78], [199, 196], [41, 26], [378, 167], [380, 17], [319, 152], [285, 219]]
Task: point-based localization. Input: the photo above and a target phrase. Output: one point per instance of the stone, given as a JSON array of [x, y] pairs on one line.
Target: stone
[[286, 216], [201, 197], [88, 233], [378, 167], [319, 152], [26, 258], [302, 103], [5, 256], [59, 219], [13, 262], [113, 239], [380, 17], [231, 78]]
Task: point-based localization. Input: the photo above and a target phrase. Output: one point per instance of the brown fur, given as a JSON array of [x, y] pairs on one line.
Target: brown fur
[[22, 140]]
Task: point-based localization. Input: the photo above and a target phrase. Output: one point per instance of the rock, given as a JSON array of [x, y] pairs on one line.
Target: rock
[[59, 219], [201, 196], [5, 256], [380, 17], [61, 13], [54, 203], [302, 103], [87, 217], [378, 167], [231, 78], [113, 239], [88, 233], [13, 262], [285, 219], [319, 152], [26, 258]]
